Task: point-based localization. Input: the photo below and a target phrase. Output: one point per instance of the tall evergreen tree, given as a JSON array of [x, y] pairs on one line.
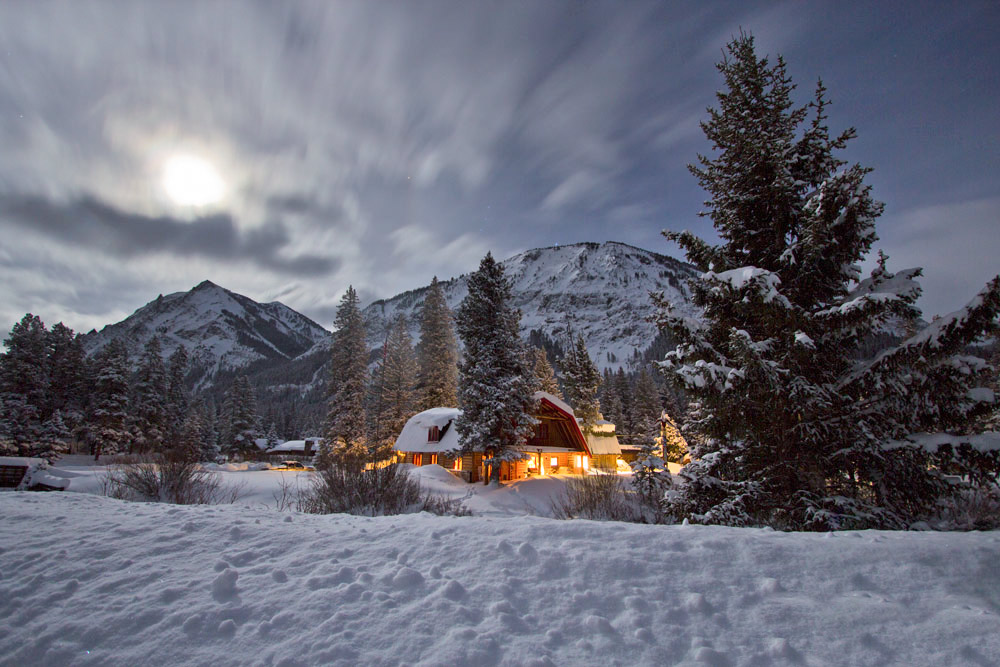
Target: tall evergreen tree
[[610, 403], [495, 386], [110, 414], [651, 477], [625, 424], [242, 424], [149, 399], [394, 392], [581, 380], [209, 432], [67, 375], [437, 352], [24, 384], [545, 377], [177, 393], [788, 427], [345, 421]]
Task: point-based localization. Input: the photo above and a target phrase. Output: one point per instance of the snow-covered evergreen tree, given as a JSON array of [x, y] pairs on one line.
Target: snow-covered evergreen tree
[[241, 425], [581, 382], [437, 352], [24, 384], [495, 386], [545, 377], [625, 417], [110, 413], [177, 393], [788, 427], [345, 420], [393, 390], [611, 406], [149, 399], [189, 444], [67, 375], [651, 477], [209, 433], [55, 438]]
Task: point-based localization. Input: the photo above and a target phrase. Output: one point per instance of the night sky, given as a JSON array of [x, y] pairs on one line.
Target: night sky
[[284, 150]]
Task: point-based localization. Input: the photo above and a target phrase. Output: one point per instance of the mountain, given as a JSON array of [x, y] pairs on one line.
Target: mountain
[[223, 332], [599, 290]]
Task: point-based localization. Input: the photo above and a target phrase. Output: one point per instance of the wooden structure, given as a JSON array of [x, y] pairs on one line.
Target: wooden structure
[[557, 446]]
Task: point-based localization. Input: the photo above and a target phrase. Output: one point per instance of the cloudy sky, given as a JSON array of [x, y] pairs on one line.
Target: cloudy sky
[[287, 149]]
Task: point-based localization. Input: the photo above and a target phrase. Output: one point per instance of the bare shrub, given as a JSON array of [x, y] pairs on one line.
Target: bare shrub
[[373, 491], [971, 508], [167, 480], [598, 497], [442, 506]]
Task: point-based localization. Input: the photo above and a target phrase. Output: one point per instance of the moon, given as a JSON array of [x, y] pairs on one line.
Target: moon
[[192, 181]]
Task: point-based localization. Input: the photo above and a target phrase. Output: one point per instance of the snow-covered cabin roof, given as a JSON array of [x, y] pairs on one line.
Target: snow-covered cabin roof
[[293, 446], [602, 444], [413, 437], [554, 400]]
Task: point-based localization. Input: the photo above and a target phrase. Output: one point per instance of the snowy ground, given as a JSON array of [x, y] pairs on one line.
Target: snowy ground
[[87, 580], [263, 488]]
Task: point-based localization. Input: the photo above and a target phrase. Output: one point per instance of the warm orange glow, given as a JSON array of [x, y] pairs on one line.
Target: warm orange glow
[[586, 463], [578, 461]]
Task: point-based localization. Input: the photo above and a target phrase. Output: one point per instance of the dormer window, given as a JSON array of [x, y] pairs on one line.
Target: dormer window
[[433, 434]]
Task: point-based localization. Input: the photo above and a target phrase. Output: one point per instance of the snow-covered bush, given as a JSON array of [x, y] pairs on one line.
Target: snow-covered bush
[[167, 480], [371, 491], [597, 497]]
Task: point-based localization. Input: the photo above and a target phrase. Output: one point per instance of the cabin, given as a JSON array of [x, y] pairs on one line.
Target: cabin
[[557, 446], [294, 449]]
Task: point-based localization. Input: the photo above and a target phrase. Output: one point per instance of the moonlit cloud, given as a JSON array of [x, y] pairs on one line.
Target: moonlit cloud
[[381, 143]]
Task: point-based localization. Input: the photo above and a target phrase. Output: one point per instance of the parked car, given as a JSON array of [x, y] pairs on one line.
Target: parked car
[[293, 465]]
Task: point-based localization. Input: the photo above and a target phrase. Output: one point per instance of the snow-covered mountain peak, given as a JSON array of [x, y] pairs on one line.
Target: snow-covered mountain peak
[[219, 329], [598, 290]]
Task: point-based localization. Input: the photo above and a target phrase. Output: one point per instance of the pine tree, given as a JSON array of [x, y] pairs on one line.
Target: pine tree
[[494, 390], [110, 416], [394, 396], [54, 439], [651, 477], [149, 399], [209, 432], [545, 377], [345, 421], [437, 352], [241, 426], [24, 384], [67, 376], [788, 427], [189, 445], [625, 423], [581, 380], [610, 403], [177, 393]]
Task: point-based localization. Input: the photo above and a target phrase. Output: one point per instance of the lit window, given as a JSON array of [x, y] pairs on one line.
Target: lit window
[[418, 459], [578, 463], [434, 459], [554, 461], [586, 463]]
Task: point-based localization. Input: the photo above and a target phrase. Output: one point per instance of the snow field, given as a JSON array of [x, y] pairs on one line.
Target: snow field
[[87, 580]]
